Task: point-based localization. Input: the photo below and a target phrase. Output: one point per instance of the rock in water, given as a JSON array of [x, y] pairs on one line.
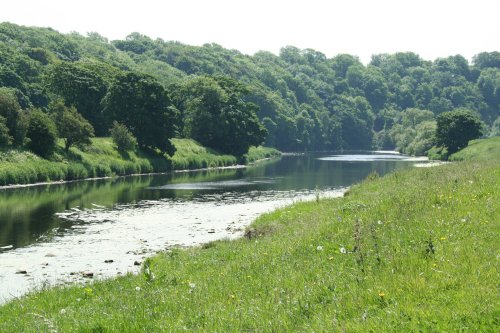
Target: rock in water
[[88, 274]]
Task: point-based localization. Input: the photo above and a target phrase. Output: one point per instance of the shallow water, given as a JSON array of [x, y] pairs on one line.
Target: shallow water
[[57, 232]]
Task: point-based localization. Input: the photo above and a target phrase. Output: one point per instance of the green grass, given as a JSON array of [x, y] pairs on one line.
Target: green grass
[[191, 155], [421, 255], [102, 159], [478, 149], [256, 154]]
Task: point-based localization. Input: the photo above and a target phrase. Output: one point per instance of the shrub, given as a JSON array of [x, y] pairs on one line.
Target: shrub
[[122, 137]]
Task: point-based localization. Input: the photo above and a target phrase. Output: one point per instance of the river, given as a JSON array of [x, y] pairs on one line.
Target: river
[[58, 233]]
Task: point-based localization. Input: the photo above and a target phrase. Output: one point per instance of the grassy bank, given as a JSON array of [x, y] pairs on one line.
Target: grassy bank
[[102, 159], [416, 250], [478, 149]]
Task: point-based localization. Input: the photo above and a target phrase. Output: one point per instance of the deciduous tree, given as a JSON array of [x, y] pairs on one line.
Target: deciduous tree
[[456, 128]]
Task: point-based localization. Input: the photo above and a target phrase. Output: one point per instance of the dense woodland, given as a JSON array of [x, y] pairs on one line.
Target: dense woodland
[[74, 87]]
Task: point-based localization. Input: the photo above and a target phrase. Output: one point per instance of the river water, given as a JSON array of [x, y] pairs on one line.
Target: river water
[[58, 233]]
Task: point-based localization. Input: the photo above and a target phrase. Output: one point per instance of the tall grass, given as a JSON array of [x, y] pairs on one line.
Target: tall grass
[[192, 155], [415, 251], [102, 159], [260, 153]]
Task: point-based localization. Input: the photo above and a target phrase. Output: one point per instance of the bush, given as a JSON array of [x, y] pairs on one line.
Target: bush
[[438, 153], [42, 134], [456, 128], [122, 137]]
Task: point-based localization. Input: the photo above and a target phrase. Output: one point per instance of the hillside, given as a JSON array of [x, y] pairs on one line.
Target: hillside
[[305, 100]]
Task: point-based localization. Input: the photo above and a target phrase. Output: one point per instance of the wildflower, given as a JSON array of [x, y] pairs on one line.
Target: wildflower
[[138, 288], [63, 311], [343, 250], [381, 294], [331, 258], [443, 238], [319, 248], [192, 285], [380, 222]]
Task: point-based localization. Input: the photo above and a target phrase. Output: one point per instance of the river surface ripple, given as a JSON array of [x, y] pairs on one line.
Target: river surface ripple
[[127, 233]]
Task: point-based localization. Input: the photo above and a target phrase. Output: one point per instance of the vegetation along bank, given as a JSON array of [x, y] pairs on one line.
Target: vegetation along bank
[[413, 251], [59, 91]]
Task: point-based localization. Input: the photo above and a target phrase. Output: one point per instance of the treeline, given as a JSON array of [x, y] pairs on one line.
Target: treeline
[[299, 100]]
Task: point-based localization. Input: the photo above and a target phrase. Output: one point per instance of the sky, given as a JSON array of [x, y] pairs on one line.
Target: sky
[[430, 28]]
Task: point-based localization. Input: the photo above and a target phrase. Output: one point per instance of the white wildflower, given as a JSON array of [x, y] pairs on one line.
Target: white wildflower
[[343, 250], [138, 288], [63, 311], [192, 285], [319, 248]]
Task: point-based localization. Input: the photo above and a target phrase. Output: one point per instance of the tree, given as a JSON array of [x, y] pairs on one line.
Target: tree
[[140, 102], [72, 127], [42, 134], [495, 128], [217, 116], [15, 119], [5, 138], [82, 88], [122, 137], [456, 128]]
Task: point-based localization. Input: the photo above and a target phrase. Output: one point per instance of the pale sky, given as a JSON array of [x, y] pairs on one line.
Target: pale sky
[[431, 28]]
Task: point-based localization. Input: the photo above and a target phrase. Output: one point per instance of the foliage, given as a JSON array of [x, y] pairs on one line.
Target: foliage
[[438, 153], [72, 126], [81, 88], [414, 131], [400, 253], [10, 111], [42, 134], [216, 115], [122, 137], [305, 100], [495, 128], [455, 129], [139, 102], [5, 138]]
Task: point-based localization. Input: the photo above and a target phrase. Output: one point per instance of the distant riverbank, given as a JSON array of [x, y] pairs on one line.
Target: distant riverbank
[[102, 160]]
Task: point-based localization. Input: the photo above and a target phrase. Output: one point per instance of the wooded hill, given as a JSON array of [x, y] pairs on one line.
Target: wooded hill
[[304, 100]]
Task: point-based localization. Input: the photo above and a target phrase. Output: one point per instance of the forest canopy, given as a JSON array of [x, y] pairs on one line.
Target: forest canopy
[[295, 101]]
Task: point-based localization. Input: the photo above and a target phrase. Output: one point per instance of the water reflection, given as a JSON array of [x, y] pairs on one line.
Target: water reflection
[[29, 215], [56, 231]]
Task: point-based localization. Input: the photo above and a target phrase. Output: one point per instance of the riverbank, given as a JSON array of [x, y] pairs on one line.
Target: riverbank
[[412, 251], [102, 160]]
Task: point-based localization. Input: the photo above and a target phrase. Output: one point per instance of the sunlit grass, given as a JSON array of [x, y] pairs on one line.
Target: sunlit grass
[[102, 159], [413, 251], [477, 149]]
